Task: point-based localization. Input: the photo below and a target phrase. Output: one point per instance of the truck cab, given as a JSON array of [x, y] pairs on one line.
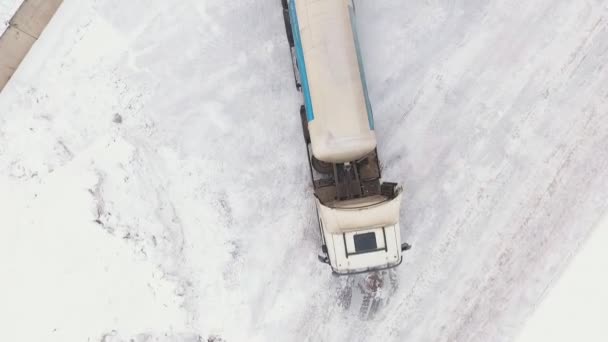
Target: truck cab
[[361, 234]]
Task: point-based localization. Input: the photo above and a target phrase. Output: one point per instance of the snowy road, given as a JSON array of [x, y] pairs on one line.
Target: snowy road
[[173, 131]]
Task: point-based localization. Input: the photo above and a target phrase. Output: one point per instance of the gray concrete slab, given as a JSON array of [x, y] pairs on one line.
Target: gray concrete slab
[[33, 16]]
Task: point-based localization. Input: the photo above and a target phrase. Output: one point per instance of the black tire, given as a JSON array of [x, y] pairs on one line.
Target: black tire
[[288, 27], [321, 166], [284, 3], [304, 124]]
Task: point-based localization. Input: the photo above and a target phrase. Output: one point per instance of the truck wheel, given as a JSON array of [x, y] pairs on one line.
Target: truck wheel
[[304, 124], [284, 2], [321, 166], [288, 28]]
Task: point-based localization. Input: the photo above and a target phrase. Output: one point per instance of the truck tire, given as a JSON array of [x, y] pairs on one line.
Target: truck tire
[[284, 3], [288, 27], [304, 121]]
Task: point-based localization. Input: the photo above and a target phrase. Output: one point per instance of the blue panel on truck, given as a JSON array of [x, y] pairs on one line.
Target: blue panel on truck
[[370, 116], [300, 57]]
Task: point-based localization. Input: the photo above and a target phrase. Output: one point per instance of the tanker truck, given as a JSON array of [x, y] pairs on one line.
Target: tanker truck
[[358, 214]]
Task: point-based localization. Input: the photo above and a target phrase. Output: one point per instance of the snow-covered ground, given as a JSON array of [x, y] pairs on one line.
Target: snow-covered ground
[[575, 309], [7, 9], [155, 187]]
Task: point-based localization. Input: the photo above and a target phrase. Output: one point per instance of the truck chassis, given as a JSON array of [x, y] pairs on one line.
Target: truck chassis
[[355, 179]]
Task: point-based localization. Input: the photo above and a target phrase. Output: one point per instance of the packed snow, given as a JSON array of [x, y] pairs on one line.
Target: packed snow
[[155, 184]]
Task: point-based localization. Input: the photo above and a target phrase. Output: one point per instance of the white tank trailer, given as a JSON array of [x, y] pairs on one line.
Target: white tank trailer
[[358, 214]]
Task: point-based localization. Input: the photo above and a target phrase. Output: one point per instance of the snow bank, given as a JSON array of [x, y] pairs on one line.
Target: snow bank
[[576, 306], [65, 278]]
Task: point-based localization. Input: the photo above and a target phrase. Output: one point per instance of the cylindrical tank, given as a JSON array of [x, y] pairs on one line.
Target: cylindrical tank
[[339, 114]]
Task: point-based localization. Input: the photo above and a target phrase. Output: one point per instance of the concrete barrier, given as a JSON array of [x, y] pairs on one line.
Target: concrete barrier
[[24, 29]]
